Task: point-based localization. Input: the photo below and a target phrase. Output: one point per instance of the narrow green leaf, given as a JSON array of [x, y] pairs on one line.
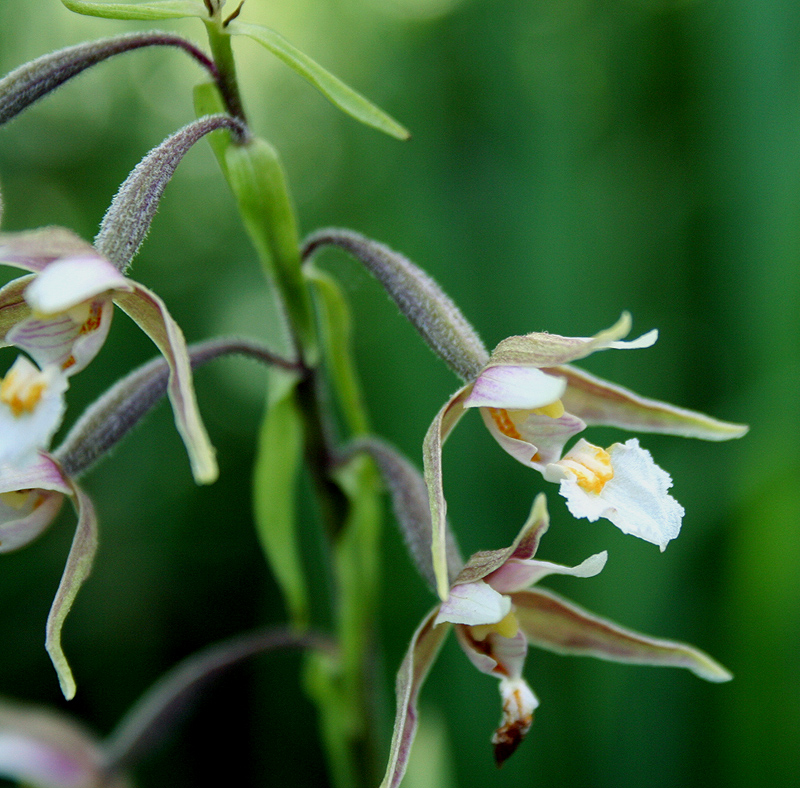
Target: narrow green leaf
[[156, 9], [344, 97], [280, 454], [336, 329]]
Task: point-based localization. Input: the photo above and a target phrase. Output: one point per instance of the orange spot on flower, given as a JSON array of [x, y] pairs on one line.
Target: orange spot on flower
[[504, 424], [92, 323]]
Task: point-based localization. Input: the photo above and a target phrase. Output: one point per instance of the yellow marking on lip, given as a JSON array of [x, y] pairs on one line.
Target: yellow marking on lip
[[21, 390], [591, 467]]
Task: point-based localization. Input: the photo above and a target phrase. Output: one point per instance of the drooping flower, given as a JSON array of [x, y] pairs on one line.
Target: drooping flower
[[533, 401], [496, 614], [60, 315], [31, 494]]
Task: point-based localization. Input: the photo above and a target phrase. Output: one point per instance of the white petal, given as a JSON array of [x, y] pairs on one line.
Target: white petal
[[473, 604], [70, 281], [514, 388], [515, 575], [645, 340], [31, 408], [635, 500]]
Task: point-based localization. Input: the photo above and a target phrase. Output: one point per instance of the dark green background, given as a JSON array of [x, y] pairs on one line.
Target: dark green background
[[570, 159]]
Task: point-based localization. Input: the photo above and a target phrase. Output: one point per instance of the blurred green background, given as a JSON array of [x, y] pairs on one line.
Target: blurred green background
[[570, 159]]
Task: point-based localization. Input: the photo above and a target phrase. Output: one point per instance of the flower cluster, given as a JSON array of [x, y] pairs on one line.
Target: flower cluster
[[533, 401]]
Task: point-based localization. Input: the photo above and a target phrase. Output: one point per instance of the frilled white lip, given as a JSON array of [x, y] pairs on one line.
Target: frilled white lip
[[514, 388], [635, 499], [65, 283]]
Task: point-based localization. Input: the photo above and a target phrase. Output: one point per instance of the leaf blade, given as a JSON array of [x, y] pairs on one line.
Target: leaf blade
[[336, 91]]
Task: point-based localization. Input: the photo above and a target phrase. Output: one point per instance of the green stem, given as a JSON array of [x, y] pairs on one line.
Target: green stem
[[222, 53], [349, 504]]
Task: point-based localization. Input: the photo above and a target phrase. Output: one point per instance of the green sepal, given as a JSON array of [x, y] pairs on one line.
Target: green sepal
[[275, 477], [335, 328], [155, 9], [344, 97]]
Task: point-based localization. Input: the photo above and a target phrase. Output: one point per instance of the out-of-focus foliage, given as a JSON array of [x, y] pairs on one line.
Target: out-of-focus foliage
[[570, 158]]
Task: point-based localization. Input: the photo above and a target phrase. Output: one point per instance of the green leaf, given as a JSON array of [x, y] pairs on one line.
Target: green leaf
[[335, 326], [344, 97], [280, 454], [156, 9], [258, 181]]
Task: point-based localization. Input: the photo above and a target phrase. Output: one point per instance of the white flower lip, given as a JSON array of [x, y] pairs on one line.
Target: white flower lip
[[514, 388], [70, 281], [635, 499], [31, 408]]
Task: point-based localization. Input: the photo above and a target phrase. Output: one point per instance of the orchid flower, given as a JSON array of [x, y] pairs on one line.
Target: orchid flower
[[31, 494], [60, 315], [496, 614], [533, 401]]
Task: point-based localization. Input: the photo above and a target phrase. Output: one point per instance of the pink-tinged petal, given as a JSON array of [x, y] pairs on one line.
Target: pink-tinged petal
[[31, 408], [530, 438], [34, 250], [69, 340], [473, 604], [151, 315], [555, 624], [13, 306], [549, 435], [49, 341], [495, 655], [44, 473], [20, 525], [550, 350], [485, 562], [92, 336], [635, 499], [42, 748], [515, 575], [599, 402], [70, 281], [514, 388], [422, 652], [446, 419], [77, 569], [505, 432]]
